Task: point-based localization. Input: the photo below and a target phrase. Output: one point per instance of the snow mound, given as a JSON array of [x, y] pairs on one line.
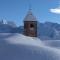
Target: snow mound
[[16, 46], [21, 39]]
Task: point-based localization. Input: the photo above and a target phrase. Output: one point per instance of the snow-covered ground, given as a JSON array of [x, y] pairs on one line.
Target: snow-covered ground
[[14, 46]]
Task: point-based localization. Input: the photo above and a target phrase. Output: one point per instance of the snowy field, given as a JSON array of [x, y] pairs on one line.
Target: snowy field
[[14, 46]]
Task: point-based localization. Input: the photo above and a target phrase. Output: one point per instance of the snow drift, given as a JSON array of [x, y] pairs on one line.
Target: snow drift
[[19, 47]]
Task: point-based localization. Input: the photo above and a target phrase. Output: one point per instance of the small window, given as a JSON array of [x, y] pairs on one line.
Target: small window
[[31, 25]]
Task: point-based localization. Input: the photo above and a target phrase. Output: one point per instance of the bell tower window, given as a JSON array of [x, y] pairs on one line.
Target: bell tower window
[[31, 25]]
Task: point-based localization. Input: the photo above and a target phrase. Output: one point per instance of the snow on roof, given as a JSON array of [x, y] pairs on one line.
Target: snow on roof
[[30, 16]]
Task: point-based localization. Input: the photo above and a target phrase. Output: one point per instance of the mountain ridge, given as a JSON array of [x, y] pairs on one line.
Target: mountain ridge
[[45, 31]]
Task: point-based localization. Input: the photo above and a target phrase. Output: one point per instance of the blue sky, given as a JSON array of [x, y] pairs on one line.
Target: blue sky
[[16, 10]]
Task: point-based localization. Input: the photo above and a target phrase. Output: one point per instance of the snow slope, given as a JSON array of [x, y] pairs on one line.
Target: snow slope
[[52, 43], [14, 46]]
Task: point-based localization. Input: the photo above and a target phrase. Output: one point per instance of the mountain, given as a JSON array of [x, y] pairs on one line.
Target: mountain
[[7, 27], [49, 31], [15, 46], [45, 31]]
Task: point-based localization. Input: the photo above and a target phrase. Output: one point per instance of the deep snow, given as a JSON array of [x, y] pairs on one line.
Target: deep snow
[[14, 46]]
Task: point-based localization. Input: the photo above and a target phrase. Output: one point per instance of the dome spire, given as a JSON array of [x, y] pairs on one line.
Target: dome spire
[[30, 6], [30, 16]]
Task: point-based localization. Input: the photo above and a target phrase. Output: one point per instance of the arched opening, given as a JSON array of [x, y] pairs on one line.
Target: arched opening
[[31, 25]]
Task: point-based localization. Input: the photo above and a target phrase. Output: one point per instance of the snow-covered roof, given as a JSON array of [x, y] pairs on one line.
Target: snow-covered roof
[[30, 16]]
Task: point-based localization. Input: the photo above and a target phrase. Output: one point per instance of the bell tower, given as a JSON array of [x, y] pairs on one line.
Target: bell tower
[[30, 24]]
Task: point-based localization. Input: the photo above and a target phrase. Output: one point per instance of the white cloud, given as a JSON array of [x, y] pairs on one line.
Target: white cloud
[[56, 10]]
